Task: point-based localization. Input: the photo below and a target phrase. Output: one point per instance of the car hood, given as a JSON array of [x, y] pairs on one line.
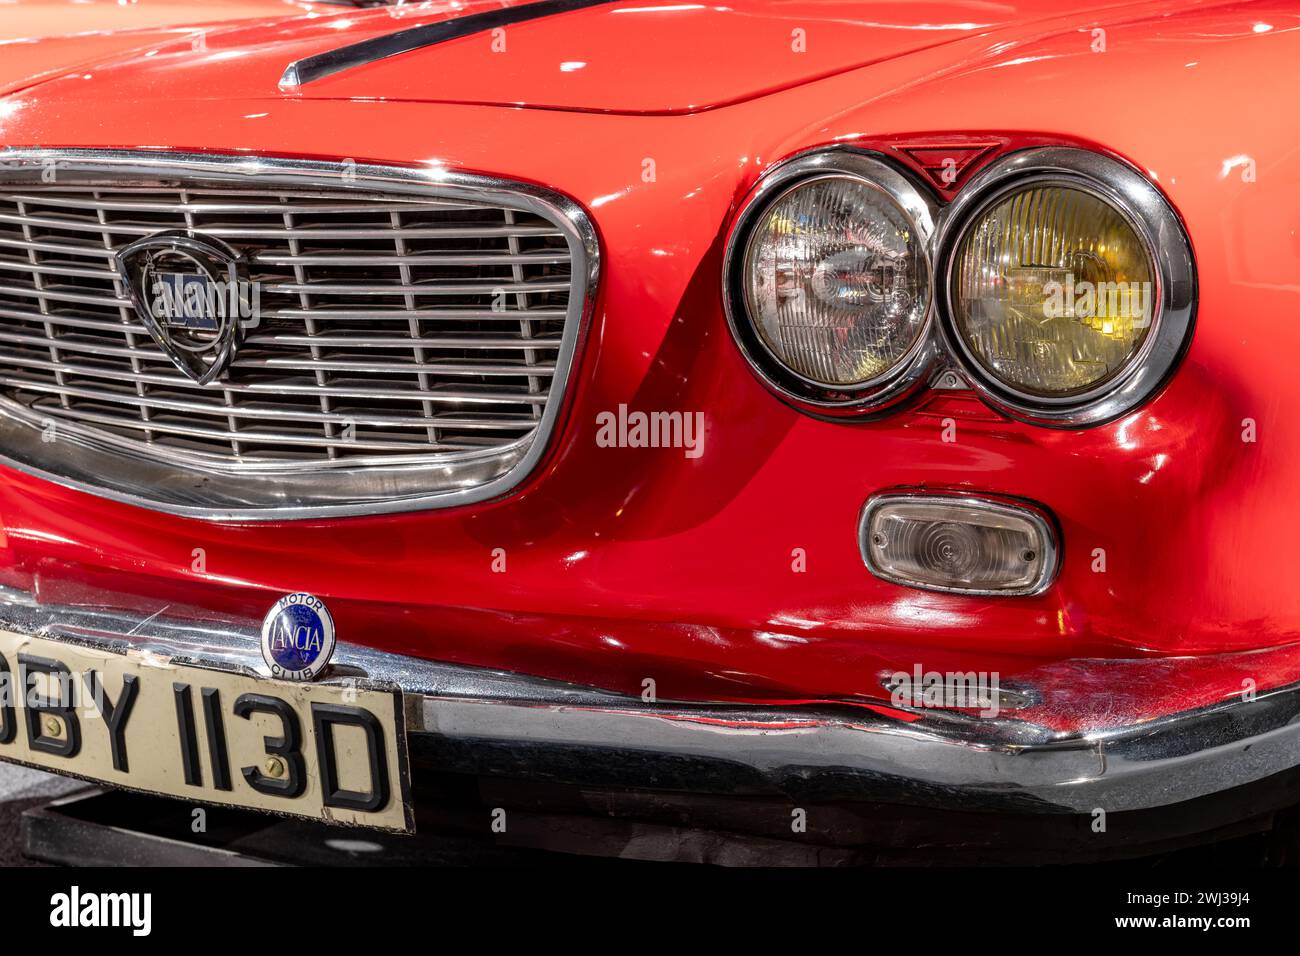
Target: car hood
[[44, 38], [621, 57]]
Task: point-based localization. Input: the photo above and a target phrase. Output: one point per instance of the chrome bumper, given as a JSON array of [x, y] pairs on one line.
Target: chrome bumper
[[491, 722]]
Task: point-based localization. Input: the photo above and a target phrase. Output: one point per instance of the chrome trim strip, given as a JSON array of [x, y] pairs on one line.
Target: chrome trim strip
[[496, 722], [233, 643], [909, 373], [1034, 513], [865, 756], [102, 468], [1155, 221], [312, 68]]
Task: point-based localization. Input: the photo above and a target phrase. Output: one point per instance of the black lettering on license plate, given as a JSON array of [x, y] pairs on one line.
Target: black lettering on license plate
[[283, 773]]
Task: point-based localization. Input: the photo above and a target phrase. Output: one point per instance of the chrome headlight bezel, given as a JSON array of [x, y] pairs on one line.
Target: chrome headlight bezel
[[913, 200], [1161, 232]]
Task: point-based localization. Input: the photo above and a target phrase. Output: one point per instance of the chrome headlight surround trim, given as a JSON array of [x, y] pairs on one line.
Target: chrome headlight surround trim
[[100, 465], [1157, 225], [906, 375]]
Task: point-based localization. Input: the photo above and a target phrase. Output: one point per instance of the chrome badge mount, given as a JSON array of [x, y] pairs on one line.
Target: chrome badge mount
[[298, 637], [191, 293]]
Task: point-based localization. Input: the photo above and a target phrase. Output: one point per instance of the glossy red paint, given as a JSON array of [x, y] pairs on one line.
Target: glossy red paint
[[626, 564], [41, 38]]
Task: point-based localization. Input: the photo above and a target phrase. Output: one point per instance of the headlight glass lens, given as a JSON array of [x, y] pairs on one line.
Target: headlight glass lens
[[836, 281], [1053, 291]]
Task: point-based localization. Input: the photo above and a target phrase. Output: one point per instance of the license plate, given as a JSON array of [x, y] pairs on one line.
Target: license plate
[[333, 752]]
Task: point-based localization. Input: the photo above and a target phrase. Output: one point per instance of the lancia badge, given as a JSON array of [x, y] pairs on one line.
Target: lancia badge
[[191, 293], [298, 637]]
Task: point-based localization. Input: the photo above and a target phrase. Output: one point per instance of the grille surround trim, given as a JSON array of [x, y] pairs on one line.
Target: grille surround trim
[[174, 482]]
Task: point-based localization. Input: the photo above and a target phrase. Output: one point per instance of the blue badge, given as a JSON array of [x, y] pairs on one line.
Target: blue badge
[[298, 637]]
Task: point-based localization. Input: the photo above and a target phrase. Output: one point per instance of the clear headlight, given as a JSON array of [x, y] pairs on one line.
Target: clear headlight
[[836, 281], [1053, 290], [828, 281]]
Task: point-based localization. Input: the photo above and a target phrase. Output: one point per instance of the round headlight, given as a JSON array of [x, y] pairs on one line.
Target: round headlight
[[836, 281], [828, 281], [1053, 290], [1061, 303]]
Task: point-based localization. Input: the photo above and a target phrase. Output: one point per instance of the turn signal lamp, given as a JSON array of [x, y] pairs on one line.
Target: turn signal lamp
[[958, 543]]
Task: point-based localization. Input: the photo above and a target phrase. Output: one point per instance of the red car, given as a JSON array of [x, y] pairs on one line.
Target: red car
[[635, 404]]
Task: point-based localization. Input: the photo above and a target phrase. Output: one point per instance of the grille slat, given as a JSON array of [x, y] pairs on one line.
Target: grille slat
[[304, 386], [60, 320], [91, 345], [56, 270], [426, 367], [477, 288], [253, 411], [390, 341], [250, 435], [378, 314], [309, 321], [457, 231], [124, 314], [42, 301], [48, 294], [58, 248], [521, 301], [449, 259], [393, 327], [188, 206]]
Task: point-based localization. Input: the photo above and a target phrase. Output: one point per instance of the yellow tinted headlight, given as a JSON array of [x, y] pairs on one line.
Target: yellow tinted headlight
[[1052, 290]]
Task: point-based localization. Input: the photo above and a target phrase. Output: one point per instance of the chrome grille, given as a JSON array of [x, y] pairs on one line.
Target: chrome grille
[[403, 322]]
